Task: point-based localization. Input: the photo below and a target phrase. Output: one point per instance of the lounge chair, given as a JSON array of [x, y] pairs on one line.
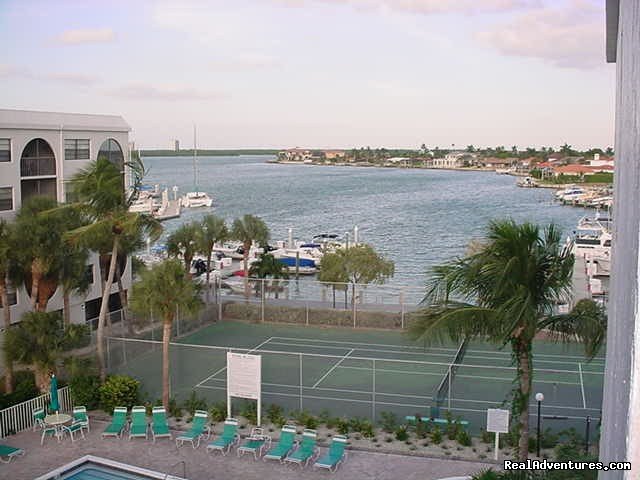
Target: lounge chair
[[139, 424], [256, 443], [228, 438], [307, 451], [284, 446], [199, 429], [80, 416], [74, 428], [7, 453], [159, 426], [38, 415], [118, 422], [335, 456]]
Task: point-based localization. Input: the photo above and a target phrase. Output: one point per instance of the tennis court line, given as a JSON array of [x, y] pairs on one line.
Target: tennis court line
[[584, 399], [337, 364], [410, 347], [225, 367]]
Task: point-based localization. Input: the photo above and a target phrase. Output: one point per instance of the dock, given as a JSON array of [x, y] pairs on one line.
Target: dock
[[173, 209]]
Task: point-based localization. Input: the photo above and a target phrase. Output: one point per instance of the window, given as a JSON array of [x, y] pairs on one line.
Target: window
[[110, 150], [37, 159], [5, 150], [6, 198], [76, 149], [12, 296], [88, 274]]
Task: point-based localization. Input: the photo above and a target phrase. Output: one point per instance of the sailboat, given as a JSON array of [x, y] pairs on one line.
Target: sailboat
[[196, 198]]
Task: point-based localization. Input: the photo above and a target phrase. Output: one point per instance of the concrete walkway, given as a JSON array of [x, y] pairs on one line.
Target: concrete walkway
[[165, 457]]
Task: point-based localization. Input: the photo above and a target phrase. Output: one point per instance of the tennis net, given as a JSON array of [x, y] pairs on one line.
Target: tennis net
[[442, 391]]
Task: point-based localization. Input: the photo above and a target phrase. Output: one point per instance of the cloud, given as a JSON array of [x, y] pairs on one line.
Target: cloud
[[14, 71], [86, 36], [246, 62], [146, 91], [425, 7], [570, 36]]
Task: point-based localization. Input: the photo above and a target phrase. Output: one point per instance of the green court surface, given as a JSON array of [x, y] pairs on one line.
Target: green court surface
[[365, 372]]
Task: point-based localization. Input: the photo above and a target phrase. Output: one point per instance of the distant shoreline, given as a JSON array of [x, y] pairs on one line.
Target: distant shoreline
[[207, 153]]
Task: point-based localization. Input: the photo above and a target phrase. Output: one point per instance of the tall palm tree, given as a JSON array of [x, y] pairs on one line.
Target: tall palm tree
[[249, 229], [164, 289], [44, 225], [6, 247], [212, 230], [506, 291], [106, 206], [269, 267], [36, 341], [183, 243]]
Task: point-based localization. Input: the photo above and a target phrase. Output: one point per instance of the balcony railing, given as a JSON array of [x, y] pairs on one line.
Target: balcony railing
[[37, 166]]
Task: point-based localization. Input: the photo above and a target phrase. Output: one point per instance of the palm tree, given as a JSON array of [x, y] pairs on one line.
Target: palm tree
[[73, 277], [269, 267], [6, 247], [44, 226], [249, 229], [103, 201], [183, 243], [36, 341], [212, 230], [506, 291], [164, 289]]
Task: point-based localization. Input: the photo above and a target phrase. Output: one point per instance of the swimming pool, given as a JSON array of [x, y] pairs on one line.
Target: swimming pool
[[96, 468]]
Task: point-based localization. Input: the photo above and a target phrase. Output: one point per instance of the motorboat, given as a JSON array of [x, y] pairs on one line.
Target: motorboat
[[197, 200], [303, 266]]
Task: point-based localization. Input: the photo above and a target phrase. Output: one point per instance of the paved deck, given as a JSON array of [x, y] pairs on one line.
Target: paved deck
[[165, 457]]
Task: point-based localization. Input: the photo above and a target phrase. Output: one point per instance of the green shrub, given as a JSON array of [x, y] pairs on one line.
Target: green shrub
[[401, 433], [486, 437], [24, 389], [366, 429], [174, 409], [486, 475], [119, 391], [463, 438], [436, 435], [218, 412], [305, 419], [388, 421], [194, 403], [422, 428], [75, 336], [453, 426], [250, 412], [275, 414], [85, 390], [343, 426], [324, 416]]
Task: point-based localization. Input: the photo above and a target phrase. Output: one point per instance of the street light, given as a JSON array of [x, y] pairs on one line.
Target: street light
[[539, 399]]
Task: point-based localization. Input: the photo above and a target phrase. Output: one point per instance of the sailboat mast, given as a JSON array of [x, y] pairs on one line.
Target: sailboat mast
[[195, 161]]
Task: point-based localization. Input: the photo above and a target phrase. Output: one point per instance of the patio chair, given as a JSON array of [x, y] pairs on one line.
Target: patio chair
[[49, 431], [159, 426], [139, 424], [7, 453], [256, 443], [335, 456], [307, 451], [72, 429], [38, 418], [284, 446], [228, 438], [118, 422], [199, 429], [80, 416]]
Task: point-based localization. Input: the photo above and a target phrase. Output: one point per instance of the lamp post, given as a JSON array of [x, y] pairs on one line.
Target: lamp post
[[539, 399]]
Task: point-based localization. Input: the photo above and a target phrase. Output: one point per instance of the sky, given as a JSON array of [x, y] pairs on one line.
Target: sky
[[318, 73]]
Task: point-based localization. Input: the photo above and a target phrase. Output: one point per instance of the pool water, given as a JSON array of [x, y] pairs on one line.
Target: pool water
[[94, 472]]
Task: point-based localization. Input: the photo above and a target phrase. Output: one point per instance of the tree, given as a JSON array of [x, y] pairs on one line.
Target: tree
[[567, 150], [212, 230], [165, 289], [104, 203], [6, 247], [506, 291], [183, 243], [334, 273], [37, 341], [268, 266], [249, 229], [470, 149], [359, 265], [44, 225]]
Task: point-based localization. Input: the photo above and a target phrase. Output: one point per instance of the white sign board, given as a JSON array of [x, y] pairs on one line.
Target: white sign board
[[244, 375], [497, 420]]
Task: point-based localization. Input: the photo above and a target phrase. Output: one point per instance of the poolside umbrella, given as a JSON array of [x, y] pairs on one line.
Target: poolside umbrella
[[54, 405]]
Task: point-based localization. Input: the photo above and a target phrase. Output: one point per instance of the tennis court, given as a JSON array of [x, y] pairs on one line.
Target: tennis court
[[365, 372]]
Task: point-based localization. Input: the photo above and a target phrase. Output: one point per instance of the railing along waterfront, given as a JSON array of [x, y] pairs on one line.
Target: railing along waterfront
[[19, 417]]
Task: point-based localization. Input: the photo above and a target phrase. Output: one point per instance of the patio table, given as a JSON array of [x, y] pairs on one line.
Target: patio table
[[57, 421]]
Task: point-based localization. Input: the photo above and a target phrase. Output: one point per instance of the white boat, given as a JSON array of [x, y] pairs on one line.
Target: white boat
[[592, 238], [196, 199], [503, 171], [570, 194], [527, 182]]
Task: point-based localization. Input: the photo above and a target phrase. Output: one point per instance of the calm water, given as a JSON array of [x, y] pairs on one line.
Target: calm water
[[418, 218]]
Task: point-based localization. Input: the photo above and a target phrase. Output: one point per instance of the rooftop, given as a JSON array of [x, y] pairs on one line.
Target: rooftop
[[36, 120]]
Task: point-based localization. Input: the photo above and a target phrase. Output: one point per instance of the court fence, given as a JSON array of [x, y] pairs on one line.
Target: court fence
[[354, 385]]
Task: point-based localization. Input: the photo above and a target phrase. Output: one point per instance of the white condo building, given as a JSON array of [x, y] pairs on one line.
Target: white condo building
[[39, 153]]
